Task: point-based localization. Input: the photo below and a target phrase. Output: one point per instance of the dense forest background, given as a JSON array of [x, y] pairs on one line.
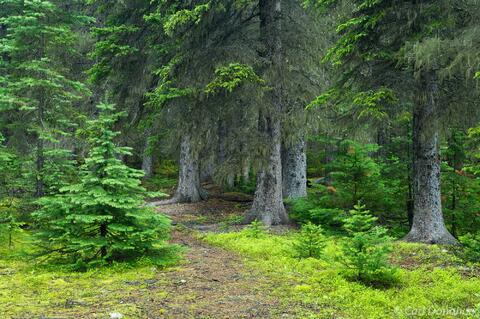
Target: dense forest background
[[354, 118]]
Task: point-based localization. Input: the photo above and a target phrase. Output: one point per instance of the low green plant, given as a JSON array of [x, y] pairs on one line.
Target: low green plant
[[471, 243], [309, 210], [230, 221], [247, 187], [256, 229], [314, 288], [233, 220], [365, 251], [310, 242], [9, 223]]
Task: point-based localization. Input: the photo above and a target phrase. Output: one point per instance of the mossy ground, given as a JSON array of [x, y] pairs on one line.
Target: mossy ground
[[207, 282], [230, 274], [32, 290], [433, 282]]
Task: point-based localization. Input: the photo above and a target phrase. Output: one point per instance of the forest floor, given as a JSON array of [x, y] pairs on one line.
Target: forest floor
[[225, 272], [211, 282], [208, 281]]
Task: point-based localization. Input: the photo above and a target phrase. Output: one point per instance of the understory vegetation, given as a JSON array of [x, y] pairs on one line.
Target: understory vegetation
[[29, 289], [424, 282]]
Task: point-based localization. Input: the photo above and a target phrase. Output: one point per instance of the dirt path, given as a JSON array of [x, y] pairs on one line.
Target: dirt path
[[211, 282]]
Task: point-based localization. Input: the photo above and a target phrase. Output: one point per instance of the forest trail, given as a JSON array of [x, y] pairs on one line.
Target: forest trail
[[210, 282]]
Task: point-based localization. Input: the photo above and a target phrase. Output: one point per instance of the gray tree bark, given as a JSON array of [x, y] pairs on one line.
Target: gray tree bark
[[188, 189], [267, 204], [147, 159], [268, 200], [428, 223], [294, 166], [246, 171], [147, 165]]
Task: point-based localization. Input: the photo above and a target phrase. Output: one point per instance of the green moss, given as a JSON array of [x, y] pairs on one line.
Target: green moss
[[430, 287], [31, 290]]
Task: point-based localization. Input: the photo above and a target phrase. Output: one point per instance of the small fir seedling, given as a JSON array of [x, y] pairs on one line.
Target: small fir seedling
[[365, 251], [255, 230], [359, 220], [310, 242], [9, 223]]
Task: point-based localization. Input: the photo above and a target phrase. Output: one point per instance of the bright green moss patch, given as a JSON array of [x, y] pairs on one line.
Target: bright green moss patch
[[429, 287], [30, 290]]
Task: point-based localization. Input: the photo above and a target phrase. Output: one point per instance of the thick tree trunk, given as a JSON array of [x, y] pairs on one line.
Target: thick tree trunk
[[428, 223], [268, 201], [294, 166], [410, 204], [188, 189]]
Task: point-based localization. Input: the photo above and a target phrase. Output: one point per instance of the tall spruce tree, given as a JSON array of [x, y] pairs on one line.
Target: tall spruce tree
[[268, 201], [102, 218], [38, 90], [403, 49]]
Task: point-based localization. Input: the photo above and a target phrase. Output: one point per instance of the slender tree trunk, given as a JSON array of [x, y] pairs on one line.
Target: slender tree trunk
[[294, 166], [383, 139], [40, 160], [229, 178], [268, 200], [331, 150], [246, 171], [428, 223], [103, 234], [42, 105], [40, 187], [147, 160], [456, 162]]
